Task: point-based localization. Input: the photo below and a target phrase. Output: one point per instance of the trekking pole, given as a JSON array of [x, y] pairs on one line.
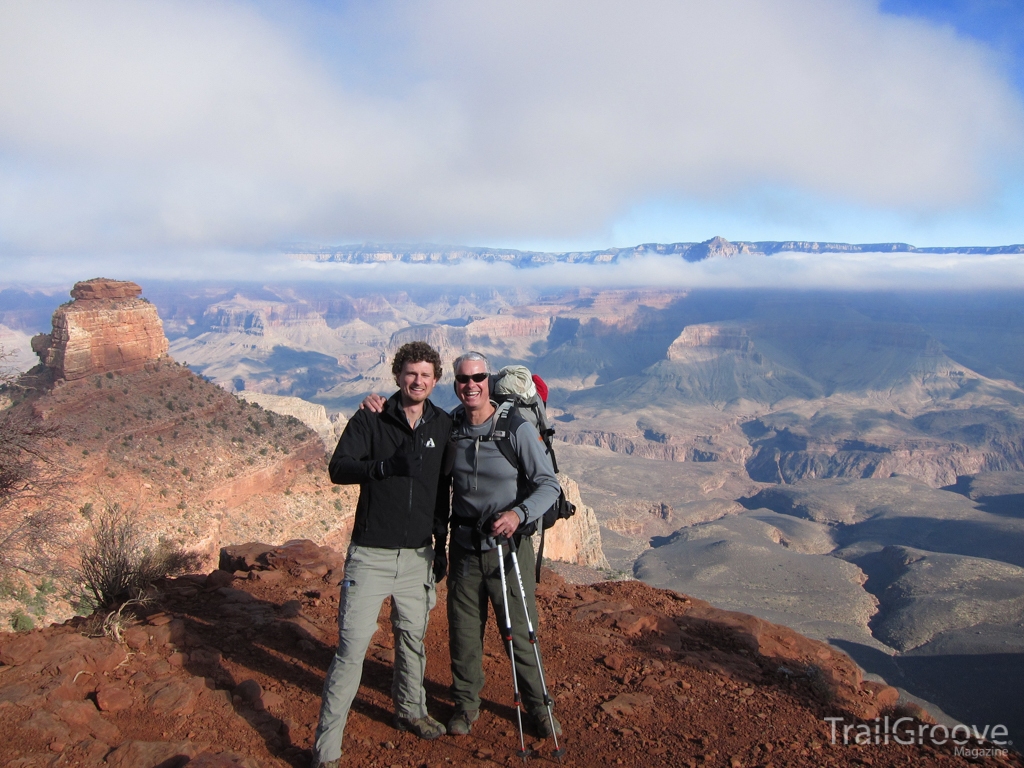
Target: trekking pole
[[558, 751], [507, 632]]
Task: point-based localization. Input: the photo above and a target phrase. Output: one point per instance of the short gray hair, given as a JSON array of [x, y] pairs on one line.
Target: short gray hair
[[465, 357]]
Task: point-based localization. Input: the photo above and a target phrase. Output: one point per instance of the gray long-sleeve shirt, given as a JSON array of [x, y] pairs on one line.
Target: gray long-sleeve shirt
[[484, 482]]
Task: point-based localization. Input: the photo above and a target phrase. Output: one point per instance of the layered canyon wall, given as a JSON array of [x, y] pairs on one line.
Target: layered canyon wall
[[106, 327]]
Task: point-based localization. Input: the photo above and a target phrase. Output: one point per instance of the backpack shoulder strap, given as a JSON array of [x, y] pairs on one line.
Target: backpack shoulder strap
[[546, 432], [506, 422]]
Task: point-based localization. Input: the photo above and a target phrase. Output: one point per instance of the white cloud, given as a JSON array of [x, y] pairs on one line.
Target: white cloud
[[143, 126]]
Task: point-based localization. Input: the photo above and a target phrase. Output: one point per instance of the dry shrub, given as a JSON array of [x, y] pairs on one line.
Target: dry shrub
[[33, 517], [116, 567]]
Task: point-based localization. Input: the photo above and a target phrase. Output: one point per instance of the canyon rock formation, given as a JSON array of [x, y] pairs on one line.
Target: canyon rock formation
[[106, 327], [195, 467], [313, 415], [578, 539]]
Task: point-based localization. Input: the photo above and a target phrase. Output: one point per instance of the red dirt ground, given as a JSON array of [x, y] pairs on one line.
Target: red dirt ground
[[640, 676]]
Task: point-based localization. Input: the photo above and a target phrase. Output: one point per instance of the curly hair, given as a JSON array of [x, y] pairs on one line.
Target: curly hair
[[416, 352]]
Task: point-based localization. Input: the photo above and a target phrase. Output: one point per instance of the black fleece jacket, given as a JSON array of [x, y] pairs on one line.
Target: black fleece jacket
[[397, 512]]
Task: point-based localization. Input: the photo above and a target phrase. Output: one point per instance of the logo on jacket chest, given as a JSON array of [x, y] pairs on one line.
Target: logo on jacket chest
[[429, 443]]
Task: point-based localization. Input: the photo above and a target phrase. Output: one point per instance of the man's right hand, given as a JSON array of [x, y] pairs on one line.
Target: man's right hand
[[440, 563], [402, 465], [373, 402]]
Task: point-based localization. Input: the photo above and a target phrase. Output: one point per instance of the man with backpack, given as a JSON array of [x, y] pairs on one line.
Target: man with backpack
[[396, 457], [493, 500]]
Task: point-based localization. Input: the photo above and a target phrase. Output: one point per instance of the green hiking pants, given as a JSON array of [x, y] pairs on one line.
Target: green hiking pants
[[372, 574], [474, 581]]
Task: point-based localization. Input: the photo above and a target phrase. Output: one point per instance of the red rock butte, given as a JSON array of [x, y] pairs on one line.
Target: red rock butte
[[106, 327]]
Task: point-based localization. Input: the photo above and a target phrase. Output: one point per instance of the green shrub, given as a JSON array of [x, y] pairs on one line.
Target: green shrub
[[21, 621]]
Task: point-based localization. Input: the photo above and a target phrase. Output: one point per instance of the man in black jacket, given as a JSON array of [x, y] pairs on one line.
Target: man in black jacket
[[396, 457]]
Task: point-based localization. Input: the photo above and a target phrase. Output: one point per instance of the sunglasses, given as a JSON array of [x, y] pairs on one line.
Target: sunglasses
[[465, 378]]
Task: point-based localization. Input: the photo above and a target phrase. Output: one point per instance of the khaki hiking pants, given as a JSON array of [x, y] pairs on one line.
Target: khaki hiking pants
[[473, 582], [372, 574]]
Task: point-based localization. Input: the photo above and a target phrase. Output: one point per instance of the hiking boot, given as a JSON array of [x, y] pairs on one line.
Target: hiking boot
[[425, 727], [543, 724], [462, 723]]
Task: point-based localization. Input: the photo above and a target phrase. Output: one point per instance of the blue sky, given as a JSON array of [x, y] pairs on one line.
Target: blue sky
[[186, 135], [999, 24]]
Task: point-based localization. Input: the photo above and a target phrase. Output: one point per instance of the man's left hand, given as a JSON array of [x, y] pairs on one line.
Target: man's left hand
[[505, 524]]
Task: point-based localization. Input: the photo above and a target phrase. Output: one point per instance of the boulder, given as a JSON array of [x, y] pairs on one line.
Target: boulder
[[19, 648], [113, 698]]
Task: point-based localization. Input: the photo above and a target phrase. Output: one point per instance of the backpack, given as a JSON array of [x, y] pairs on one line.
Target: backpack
[[514, 389]]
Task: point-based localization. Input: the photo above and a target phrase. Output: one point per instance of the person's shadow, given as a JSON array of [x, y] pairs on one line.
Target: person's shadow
[[278, 642]]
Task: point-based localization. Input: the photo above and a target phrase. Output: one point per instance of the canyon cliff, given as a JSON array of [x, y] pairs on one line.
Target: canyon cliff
[[578, 539]]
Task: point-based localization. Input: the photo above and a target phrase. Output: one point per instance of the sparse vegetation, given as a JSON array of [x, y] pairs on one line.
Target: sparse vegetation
[[115, 622], [32, 521], [116, 567], [21, 622]]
